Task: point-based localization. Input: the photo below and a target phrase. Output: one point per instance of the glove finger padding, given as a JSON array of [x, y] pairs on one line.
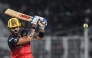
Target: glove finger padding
[[43, 20], [41, 26]]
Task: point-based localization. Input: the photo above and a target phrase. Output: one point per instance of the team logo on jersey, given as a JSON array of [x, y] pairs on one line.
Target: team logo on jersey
[[24, 34]]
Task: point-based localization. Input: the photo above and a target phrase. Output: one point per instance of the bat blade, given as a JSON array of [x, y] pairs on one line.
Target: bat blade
[[19, 15]]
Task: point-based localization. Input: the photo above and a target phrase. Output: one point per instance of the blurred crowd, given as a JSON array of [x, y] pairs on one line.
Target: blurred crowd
[[61, 14], [4, 53]]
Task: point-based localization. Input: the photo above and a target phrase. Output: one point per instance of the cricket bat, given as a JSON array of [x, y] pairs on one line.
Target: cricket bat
[[17, 14]]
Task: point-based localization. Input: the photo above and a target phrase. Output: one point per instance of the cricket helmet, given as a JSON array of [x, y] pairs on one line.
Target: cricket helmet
[[13, 22]]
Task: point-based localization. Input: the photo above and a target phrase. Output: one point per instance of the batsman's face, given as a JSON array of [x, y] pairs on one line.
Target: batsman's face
[[15, 29]]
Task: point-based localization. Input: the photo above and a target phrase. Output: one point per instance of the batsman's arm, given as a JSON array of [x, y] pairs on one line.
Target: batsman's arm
[[32, 34], [26, 39]]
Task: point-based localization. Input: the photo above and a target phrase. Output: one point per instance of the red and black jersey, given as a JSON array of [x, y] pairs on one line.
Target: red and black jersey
[[19, 51]]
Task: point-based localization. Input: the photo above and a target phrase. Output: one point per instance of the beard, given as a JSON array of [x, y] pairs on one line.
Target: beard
[[15, 32]]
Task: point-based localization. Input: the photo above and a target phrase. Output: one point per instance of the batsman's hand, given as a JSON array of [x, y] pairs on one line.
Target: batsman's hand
[[34, 20], [43, 20], [41, 25], [39, 20]]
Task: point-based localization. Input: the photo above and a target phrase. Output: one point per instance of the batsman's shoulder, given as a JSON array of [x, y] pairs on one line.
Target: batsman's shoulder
[[13, 39], [9, 38]]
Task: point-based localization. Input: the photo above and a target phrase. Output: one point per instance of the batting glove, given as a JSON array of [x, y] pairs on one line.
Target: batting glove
[[41, 25], [34, 20], [43, 20]]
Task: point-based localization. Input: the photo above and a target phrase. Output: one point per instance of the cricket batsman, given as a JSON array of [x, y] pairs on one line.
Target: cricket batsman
[[19, 39]]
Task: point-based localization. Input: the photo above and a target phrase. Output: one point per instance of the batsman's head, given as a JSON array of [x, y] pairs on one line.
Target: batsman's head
[[13, 25]]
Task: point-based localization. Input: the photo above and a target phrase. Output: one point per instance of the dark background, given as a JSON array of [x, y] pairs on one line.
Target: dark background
[[61, 14]]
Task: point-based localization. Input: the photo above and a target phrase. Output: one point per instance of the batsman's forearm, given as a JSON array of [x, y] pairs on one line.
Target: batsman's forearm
[[27, 38], [31, 34]]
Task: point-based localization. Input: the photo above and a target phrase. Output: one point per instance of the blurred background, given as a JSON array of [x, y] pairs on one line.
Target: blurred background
[[65, 36]]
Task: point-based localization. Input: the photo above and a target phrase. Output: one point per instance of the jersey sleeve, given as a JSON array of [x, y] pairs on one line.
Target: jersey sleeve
[[27, 31], [13, 40], [24, 32]]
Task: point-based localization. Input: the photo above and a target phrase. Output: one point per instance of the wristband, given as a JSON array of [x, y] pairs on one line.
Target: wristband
[[41, 34]]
